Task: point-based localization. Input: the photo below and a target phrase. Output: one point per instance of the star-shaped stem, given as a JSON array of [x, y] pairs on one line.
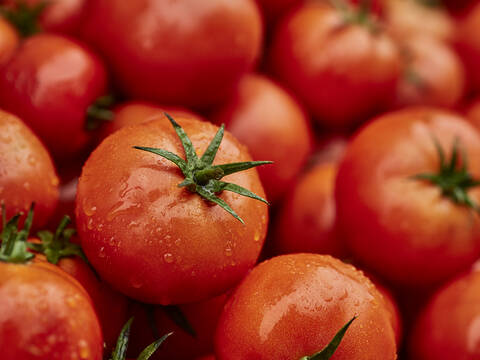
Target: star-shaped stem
[[201, 176], [24, 17], [452, 176], [14, 242]]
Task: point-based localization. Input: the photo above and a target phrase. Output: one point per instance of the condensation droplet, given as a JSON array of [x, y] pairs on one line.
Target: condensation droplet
[[328, 298], [228, 251], [90, 224], [31, 159], [344, 295], [111, 241], [84, 351], [71, 302], [101, 253], [168, 258], [89, 210], [26, 185], [256, 237]]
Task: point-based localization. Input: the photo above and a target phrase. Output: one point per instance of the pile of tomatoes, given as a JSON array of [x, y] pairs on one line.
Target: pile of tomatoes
[[240, 179]]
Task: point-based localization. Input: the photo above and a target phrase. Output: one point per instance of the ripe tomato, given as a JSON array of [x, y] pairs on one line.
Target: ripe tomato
[[272, 125], [27, 173], [272, 10], [158, 242], [202, 317], [50, 83], [473, 113], [342, 70], [434, 74], [449, 327], [293, 305], [186, 52], [467, 44], [307, 220], [410, 18], [404, 200], [8, 41], [61, 16]]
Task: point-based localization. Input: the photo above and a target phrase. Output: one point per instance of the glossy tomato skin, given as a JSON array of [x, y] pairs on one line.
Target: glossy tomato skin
[[342, 72], [60, 16], [202, 316], [434, 74], [186, 52], [154, 241], [27, 172], [293, 305], [307, 219], [449, 327], [9, 41], [46, 315], [50, 82], [467, 44], [273, 126], [393, 223], [473, 113]]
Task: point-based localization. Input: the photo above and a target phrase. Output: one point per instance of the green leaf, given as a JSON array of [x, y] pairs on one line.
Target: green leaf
[[186, 143], [240, 190], [327, 352], [120, 352], [178, 317], [240, 166], [177, 160], [209, 154], [207, 195], [24, 17], [149, 350], [14, 247]]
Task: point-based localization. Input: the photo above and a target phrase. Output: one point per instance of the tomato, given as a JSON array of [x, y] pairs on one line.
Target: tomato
[[186, 52], [136, 112], [410, 18], [50, 83], [272, 10], [155, 241], [8, 41], [307, 220], [341, 69], [434, 74], [293, 305], [272, 125], [27, 173], [467, 44], [449, 325], [202, 318], [473, 113], [63, 16], [405, 212]]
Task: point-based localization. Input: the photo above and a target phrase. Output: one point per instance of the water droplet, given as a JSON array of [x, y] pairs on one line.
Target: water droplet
[[90, 224], [31, 159], [344, 295], [256, 237], [84, 351], [99, 227], [101, 253], [228, 251], [328, 298], [168, 258], [178, 241], [26, 185], [111, 241], [71, 301], [89, 210], [136, 282], [132, 224]]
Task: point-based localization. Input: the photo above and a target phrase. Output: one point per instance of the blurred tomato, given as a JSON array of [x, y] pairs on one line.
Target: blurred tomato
[[8, 41], [186, 52], [473, 113], [266, 119]]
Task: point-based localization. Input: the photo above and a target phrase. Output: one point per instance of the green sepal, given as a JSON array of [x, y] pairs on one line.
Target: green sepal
[[357, 15], [201, 176], [14, 242], [100, 112], [453, 180], [24, 17], [150, 349], [178, 317], [327, 352]]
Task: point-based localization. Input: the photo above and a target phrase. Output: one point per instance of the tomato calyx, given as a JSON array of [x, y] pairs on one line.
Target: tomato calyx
[[327, 352], [430, 3], [24, 17], [360, 15], [100, 112], [201, 176], [453, 177], [14, 247], [120, 351]]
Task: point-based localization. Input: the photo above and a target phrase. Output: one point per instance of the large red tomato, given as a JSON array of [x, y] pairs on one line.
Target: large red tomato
[[186, 52], [406, 196], [272, 125], [449, 327], [8, 41], [433, 75], [50, 83], [158, 242], [293, 305], [27, 173], [343, 70]]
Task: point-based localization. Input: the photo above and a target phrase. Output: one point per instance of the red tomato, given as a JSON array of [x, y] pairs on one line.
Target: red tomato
[[343, 71], [393, 221], [153, 240], [473, 113], [50, 83], [434, 74], [187, 52], [467, 43], [46, 315], [293, 305], [8, 41], [272, 125], [27, 173], [410, 18], [203, 318], [272, 10], [61, 16], [449, 327], [307, 220]]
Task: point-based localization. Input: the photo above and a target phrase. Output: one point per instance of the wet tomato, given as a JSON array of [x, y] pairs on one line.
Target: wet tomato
[[292, 306], [412, 196], [186, 52], [272, 125]]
